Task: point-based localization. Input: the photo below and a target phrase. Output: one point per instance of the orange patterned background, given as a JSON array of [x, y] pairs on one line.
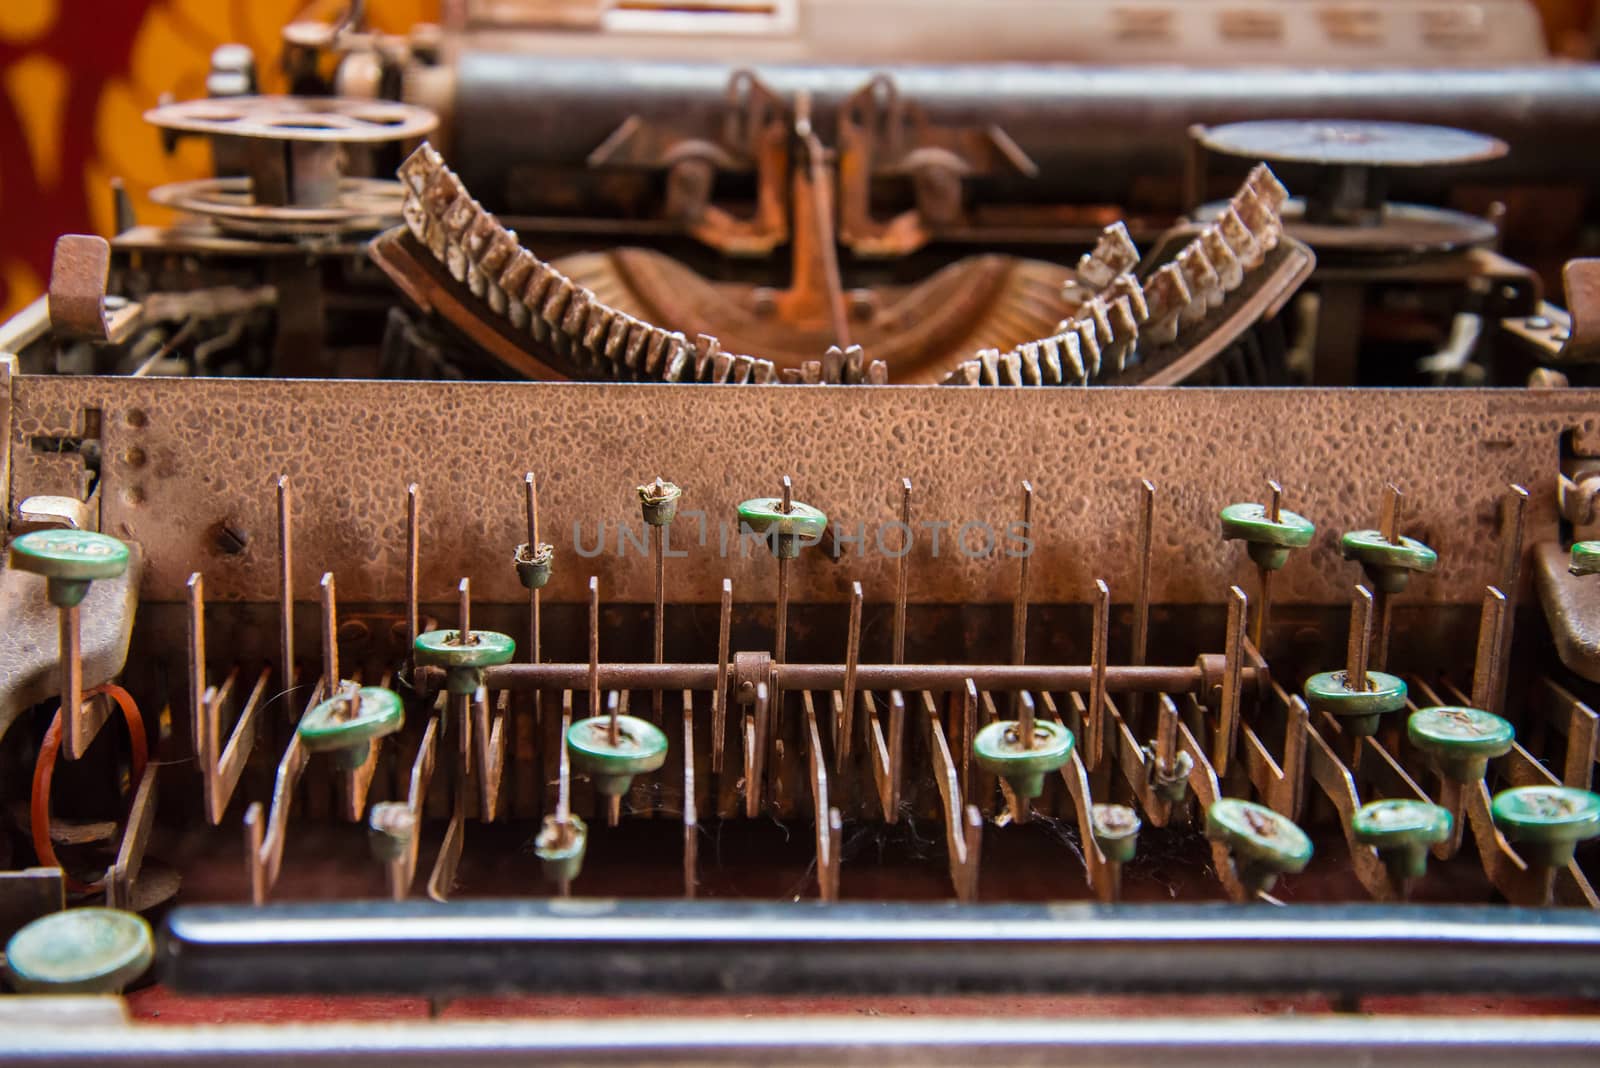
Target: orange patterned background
[[75, 77]]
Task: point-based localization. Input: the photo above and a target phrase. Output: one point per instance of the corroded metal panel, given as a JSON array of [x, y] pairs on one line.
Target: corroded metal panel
[[184, 459]]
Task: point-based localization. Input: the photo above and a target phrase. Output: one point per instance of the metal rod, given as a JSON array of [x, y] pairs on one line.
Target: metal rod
[[1141, 605], [1120, 678], [330, 638], [1098, 652], [902, 576], [1511, 586], [691, 817], [1383, 604], [781, 624], [852, 658], [719, 689], [349, 947], [71, 643], [613, 801], [594, 657], [1486, 666], [532, 486], [286, 591], [1258, 631], [1359, 644], [969, 731], [1389, 513], [1019, 607], [197, 659], [1233, 663], [413, 555], [464, 702]]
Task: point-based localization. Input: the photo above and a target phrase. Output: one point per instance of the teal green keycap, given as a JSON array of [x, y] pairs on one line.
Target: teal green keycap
[[1402, 830], [560, 849], [1358, 711], [80, 951], [1258, 836], [1388, 563], [786, 531], [1268, 542], [1585, 558], [1546, 823], [350, 720], [464, 661], [1461, 741], [1116, 831], [70, 559], [640, 747], [999, 750]]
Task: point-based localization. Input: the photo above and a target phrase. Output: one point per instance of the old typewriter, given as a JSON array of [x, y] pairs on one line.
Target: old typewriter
[[840, 556]]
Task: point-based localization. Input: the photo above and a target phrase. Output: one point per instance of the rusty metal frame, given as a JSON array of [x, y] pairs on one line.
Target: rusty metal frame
[[182, 455]]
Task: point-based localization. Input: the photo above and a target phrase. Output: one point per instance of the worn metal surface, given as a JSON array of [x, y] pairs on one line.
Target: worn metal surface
[[1572, 608], [508, 113], [622, 946], [210, 450], [1346, 143], [1198, 1041]]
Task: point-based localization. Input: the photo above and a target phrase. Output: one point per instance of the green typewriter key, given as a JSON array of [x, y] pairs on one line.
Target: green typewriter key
[[1388, 564], [612, 760], [70, 560], [80, 951], [1402, 830], [1461, 741], [1268, 541], [1546, 823], [1000, 749], [464, 661], [787, 530], [1116, 831], [1357, 710], [1264, 844], [347, 722], [1585, 558], [560, 848]]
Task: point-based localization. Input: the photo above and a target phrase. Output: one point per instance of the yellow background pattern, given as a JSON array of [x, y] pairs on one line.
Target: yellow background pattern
[[127, 53]]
